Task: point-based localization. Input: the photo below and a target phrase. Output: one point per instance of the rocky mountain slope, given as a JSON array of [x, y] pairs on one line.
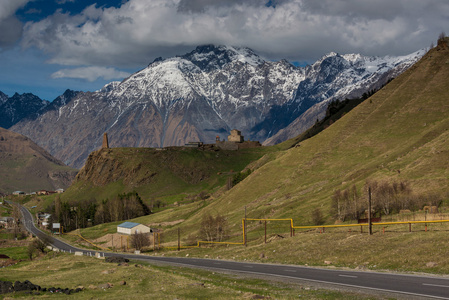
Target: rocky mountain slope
[[202, 94], [27, 167]]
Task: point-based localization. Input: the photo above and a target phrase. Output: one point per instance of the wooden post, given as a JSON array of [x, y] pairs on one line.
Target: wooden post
[[265, 231], [179, 240], [245, 229], [409, 227], [370, 222]]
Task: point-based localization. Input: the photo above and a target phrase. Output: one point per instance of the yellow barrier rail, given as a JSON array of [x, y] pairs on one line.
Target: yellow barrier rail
[[79, 235], [292, 232], [366, 224]]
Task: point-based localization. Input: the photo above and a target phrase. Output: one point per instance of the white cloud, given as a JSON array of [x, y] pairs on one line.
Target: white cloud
[[64, 1], [91, 73], [140, 30]]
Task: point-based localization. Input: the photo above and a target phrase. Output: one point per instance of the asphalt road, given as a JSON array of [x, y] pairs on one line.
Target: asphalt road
[[411, 285]]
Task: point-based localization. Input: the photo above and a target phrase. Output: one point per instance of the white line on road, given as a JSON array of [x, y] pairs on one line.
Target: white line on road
[[290, 270], [350, 276], [438, 285]]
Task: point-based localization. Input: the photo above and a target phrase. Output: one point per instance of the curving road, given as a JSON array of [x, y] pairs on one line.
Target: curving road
[[411, 285]]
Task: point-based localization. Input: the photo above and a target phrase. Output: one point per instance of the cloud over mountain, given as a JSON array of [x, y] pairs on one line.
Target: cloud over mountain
[[302, 30], [90, 73]]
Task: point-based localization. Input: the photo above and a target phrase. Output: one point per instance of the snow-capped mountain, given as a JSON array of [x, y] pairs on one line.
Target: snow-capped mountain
[[200, 95], [336, 77]]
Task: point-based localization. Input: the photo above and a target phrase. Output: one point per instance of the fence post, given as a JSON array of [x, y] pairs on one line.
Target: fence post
[[244, 230], [179, 240], [370, 221], [409, 227], [265, 231]]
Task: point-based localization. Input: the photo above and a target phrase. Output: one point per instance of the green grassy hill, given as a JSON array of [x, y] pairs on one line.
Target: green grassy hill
[[175, 174], [398, 135]]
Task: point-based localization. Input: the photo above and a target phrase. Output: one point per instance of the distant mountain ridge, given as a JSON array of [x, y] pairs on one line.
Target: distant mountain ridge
[[201, 95], [25, 106]]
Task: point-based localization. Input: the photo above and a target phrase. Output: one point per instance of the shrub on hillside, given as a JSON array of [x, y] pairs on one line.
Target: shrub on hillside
[[317, 217], [213, 228]]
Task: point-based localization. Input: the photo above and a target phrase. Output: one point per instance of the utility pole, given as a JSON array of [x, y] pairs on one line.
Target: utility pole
[[370, 223]]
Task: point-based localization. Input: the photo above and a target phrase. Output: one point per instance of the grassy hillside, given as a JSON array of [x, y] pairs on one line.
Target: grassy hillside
[[398, 135], [175, 174]]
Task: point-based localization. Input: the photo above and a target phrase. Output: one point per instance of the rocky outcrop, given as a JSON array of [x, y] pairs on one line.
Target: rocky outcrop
[[26, 286]]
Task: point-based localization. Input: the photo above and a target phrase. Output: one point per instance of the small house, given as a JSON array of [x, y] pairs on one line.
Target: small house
[[18, 193], [131, 228], [6, 222]]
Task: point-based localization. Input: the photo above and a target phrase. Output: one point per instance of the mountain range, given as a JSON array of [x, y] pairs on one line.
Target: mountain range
[[199, 96]]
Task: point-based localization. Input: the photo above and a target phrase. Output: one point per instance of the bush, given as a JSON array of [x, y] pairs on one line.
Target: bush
[[213, 229], [140, 240], [317, 217], [40, 244], [240, 176]]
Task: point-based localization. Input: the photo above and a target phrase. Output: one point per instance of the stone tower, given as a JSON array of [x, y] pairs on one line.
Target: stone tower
[[105, 141]]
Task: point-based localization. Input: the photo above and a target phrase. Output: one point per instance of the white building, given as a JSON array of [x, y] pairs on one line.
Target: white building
[[130, 228]]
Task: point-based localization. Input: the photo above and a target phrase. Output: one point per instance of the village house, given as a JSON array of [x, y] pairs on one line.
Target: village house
[[6, 222], [130, 228], [45, 192]]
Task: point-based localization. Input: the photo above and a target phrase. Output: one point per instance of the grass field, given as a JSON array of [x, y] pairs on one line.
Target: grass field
[[154, 282]]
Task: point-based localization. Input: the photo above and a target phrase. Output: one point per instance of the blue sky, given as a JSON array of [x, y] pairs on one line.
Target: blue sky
[[48, 46]]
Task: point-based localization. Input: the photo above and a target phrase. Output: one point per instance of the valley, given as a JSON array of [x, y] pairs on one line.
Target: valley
[[393, 143]]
